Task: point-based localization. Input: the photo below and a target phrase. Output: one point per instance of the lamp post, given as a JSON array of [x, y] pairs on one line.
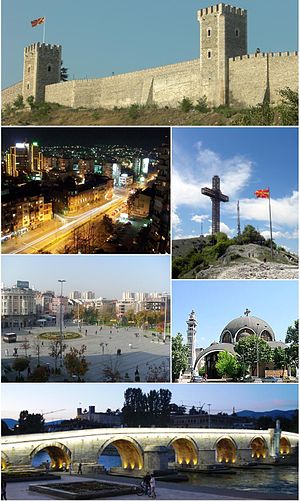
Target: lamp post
[[61, 320]]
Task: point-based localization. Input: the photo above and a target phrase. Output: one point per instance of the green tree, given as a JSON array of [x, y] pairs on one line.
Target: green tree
[[63, 73], [20, 364], [253, 349], [251, 235], [134, 408], [292, 338], [76, 363], [56, 351], [19, 102], [288, 109], [227, 365], [180, 353], [31, 102], [39, 374], [30, 423]]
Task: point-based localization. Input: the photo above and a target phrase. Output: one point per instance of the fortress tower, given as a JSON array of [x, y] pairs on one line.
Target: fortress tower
[[191, 340], [223, 35], [42, 64]]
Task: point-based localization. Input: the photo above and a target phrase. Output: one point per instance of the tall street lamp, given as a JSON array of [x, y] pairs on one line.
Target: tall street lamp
[[209, 405], [61, 320]]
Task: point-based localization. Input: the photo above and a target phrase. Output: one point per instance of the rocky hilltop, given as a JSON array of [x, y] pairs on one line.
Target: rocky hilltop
[[239, 261]]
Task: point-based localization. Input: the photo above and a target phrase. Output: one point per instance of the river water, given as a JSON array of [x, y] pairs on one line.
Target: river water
[[277, 480]]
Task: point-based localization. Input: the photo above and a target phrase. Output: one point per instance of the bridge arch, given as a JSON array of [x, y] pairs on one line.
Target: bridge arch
[[259, 448], [4, 461], [130, 451], [284, 446], [226, 450], [59, 454], [186, 451]]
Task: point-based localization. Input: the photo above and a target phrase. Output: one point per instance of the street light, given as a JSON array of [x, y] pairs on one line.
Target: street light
[[165, 319], [61, 319]]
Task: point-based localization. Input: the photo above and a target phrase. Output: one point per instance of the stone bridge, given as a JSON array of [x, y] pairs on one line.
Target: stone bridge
[[145, 449]]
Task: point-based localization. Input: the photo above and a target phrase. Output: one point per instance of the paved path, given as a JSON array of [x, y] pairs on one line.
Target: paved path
[[146, 351], [19, 491]]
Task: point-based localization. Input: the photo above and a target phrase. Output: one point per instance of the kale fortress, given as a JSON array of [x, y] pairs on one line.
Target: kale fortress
[[225, 73]]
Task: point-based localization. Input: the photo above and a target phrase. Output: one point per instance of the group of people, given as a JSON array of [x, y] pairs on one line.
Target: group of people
[[148, 484]]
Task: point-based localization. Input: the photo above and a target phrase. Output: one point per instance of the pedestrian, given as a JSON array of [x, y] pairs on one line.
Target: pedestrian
[[70, 468], [28, 371], [152, 487], [137, 375], [147, 483], [6, 353], [64, 466], [3, 488], [79, 468], [47, 466]]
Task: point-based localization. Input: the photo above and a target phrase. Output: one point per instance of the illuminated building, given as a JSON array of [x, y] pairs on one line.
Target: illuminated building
[[23, 213], [23, 158]]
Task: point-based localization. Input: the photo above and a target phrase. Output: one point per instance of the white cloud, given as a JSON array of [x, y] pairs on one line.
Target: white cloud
[[280, 235], [199, 218], [187, 181], [284, 210]]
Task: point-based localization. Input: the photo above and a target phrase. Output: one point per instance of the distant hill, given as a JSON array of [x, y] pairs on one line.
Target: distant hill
[[10, 422], [272, 413]]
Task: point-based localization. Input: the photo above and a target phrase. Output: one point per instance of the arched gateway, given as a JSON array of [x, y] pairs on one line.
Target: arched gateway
[[142, 449]]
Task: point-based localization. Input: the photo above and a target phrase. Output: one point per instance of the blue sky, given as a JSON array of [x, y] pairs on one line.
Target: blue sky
[[216, 303], [69, 397], [246, 159], [101, 37], [107, 276]]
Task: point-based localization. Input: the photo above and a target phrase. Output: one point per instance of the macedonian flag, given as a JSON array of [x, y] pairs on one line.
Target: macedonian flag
[[35, 22], [263, 193]]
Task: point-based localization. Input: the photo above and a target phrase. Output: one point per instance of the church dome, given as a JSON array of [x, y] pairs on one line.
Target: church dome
[[244, 326]]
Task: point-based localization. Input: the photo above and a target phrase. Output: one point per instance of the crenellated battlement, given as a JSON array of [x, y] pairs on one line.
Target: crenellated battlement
[[262, 55], [221, 8], [41, 47]]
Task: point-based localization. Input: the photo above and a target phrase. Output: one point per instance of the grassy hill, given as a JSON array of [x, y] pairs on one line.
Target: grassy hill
[[218, 256], [185, 114]]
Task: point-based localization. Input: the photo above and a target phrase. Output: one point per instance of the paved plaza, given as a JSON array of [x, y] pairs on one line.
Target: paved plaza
[[138, 349], [165, 491]]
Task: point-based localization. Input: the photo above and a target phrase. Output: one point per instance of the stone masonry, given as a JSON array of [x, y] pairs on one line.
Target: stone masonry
[[225, 73]]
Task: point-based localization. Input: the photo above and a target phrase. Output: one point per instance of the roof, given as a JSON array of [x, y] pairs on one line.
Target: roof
[[256, 324]]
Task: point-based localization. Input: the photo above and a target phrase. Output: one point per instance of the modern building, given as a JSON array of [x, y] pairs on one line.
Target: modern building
[[159, 235], [84, 196], [24, 213], [205, 420], [18, 307], [75, 295], [88, 295], [23, 158]]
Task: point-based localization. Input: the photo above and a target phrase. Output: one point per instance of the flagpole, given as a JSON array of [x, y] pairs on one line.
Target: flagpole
[[44, 30], [270, 214]]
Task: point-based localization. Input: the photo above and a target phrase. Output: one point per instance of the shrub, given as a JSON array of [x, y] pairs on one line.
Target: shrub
[[186, 105], [288, 109], [202, 105], [134, 111], [19, 102]]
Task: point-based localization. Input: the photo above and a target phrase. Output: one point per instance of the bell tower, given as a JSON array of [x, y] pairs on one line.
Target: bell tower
[[223, 35], [191, 340]]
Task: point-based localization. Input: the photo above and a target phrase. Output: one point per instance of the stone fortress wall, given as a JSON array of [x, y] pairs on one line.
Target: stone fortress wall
[[225, 73]]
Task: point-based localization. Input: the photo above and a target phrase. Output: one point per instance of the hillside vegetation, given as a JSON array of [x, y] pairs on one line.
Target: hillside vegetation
[[212, 256], [187, 113]]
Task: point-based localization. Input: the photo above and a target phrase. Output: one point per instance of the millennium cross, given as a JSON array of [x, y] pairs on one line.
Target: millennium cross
[[216, 198]]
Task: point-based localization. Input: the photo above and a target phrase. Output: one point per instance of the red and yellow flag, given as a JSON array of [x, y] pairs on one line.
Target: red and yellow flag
[[35, 22], [263, 193]]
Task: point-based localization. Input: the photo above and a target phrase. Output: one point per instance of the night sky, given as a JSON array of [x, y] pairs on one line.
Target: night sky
[[142, 137]]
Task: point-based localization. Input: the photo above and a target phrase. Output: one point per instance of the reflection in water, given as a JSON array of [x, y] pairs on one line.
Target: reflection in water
[[277, 479]]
